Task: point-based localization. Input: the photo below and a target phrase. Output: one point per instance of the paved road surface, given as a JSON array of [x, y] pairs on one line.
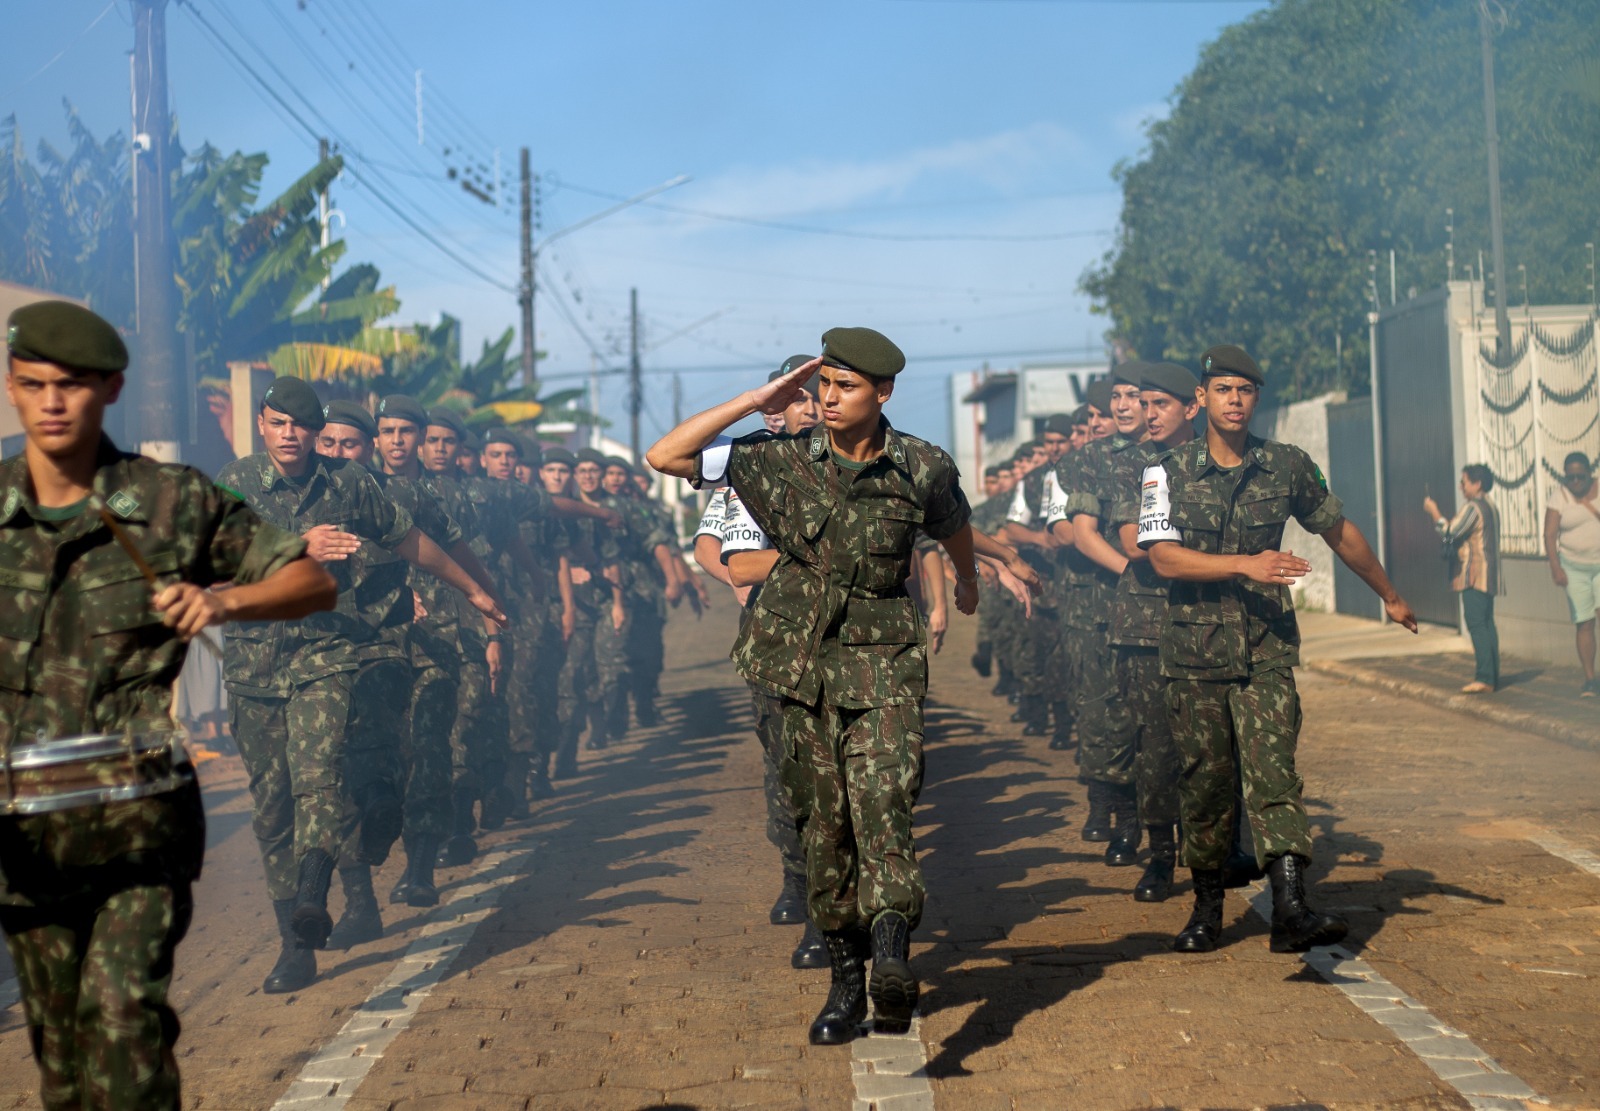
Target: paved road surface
[[614, 952]]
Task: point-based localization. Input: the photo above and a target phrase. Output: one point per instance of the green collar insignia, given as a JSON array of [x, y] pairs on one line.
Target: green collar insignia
[[13, 499], [122, 504], [819, 445]]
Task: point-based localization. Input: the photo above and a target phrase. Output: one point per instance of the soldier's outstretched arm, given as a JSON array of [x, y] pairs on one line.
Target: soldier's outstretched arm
[[960, 546], [573, 507], [1087, 539], [988, 548], [416, 548], [676, 452], [1352, 548], [1173, 561], [296, 589]]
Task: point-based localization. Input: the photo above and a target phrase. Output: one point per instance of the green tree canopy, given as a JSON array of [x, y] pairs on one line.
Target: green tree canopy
[[1319, 130]]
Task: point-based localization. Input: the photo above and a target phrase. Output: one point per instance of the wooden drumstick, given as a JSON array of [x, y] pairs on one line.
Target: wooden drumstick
[[125, 542]]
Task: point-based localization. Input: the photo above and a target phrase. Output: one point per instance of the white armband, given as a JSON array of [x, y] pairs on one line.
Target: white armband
[[1155, 508], [1055, 500], [1020, 514], [714, 460], [740, 533]]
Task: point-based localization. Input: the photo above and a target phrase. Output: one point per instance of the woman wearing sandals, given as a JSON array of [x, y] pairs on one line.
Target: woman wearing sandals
[[1572, 543], [1472, 544]]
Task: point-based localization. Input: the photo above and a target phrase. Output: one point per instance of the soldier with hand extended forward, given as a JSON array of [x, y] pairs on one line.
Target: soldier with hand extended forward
[[1212, 514], [834, 634], [96, 896]]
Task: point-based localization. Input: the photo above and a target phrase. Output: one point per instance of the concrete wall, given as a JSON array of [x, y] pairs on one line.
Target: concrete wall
[[1532, 615], [1305, 424]]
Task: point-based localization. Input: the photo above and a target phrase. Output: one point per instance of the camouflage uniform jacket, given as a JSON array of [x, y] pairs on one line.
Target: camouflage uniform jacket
[[646, 530], [450, 491], [833, 620], [1139, 611], [1075, 572], [593, 545], [1237, 628], [268, 659], [1092, 491], [81, 651], [436, 639]]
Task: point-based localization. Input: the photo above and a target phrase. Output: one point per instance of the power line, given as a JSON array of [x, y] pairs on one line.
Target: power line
[[62, 53], [845, 233], [757, 366]]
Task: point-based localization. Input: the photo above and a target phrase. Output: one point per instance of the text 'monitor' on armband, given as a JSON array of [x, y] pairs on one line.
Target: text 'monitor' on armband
[[1155, 508]]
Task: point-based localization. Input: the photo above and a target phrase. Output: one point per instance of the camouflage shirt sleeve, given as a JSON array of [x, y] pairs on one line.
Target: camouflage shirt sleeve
[[242, 547], [373, 516], [947, 510], [1080, 492], [1316, 507]]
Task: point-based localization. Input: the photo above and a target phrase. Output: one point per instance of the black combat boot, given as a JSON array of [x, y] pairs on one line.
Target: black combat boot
[[1156, 883], [460, 848], [567, 752], [1123, 849], [514, 782], [982, 660], [1024, 704], [421, 852], [1204, 930], [1036, 717], [361, 921], [297, 964], [812, 952], [312, 922], [893, 986], [1061, 735], [1004, 685], [846, 1008], [599, 729], [1297, 927], [644, 706], [381, 818], [539, 787], [790, 907], [1097, 826], [617, 717]]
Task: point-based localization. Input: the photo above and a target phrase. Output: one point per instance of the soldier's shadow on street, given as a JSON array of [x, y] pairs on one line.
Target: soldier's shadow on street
[[600, 839], [996, 837]]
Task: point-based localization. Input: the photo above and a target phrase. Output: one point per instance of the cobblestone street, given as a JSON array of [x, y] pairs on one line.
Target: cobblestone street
[[615, 953]]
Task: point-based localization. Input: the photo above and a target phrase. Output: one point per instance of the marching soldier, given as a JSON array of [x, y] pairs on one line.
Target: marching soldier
[[291, 682], [835, 636], [1138, 612], [106, 550], [1211, 516], [654, 583]]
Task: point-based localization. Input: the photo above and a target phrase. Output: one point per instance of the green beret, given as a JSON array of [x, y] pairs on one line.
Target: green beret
[[1098, 394], [348, 412], [1080, 415], [67, 335], [794, 362], [1059, 423], [1028, 447], [532, 449], [297, 400], [1130, 373], [863, 351], [399, 406], [560, 455], [590, 455], [444, 417], [500, 434], [1227, 360], [1170, 378], [618, 461]]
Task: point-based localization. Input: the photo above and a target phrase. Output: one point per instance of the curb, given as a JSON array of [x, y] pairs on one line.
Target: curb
[[1576, 736]]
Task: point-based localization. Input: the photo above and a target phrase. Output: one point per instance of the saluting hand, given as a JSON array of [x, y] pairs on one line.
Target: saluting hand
[[1275, 568], [775, 396], [187, 609], [325, 543]]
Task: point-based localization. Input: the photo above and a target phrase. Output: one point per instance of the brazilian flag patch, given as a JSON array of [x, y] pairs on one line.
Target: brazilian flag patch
[[230, 491], [1321, 481]]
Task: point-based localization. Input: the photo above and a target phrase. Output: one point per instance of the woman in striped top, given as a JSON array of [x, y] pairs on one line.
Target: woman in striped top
[[1472, 540]]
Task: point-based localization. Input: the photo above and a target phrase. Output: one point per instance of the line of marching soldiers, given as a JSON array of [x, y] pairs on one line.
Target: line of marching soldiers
[[497, 599]]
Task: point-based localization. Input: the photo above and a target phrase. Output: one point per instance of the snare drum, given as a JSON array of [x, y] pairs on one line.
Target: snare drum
[[69, 772]]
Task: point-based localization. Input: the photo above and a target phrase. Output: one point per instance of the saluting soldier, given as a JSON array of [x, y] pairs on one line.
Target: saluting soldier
[[1212, 517], [291, 683], [834, 634], [95, 898], [1137, 615]]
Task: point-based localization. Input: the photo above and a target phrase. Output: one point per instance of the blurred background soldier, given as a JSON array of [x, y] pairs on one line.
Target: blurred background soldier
[[95, 897], [1212, 516], [654, 580], [1025, 531]]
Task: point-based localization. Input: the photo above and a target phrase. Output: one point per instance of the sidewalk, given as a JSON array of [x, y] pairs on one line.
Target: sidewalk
[[1432, 666]]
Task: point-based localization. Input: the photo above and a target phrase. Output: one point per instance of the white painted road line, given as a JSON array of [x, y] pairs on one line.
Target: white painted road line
[[1566, 850], [891, 1071], [332, 1076], [1447, 1051]]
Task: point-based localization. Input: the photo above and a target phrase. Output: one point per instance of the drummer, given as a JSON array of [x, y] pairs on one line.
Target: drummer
[[95, 897]]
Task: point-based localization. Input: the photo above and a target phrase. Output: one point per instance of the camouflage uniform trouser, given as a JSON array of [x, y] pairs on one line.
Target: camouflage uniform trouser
[[524, 642], [93, 972], [854, 776], [611, 659], [1106, 736], [477, 737], [1155, 761], [1244, 728], [578, 683], [426, 752], [782, 829], [647, 626], [1036, 640], [294, 750], [373, 759]]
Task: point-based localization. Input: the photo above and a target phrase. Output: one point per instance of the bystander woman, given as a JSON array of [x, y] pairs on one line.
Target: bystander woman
[[1572, 544], [1472, 544]]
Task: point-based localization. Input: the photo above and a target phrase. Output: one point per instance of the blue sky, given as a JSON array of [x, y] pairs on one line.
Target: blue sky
[[942, 167]]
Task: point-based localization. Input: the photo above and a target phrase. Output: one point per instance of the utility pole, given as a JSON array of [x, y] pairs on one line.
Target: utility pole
[[635, 385], [1502, 317], [158, 374], [525, 294]]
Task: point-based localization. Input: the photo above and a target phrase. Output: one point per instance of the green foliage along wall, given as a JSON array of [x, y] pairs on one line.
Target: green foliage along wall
[[1318, 130]]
